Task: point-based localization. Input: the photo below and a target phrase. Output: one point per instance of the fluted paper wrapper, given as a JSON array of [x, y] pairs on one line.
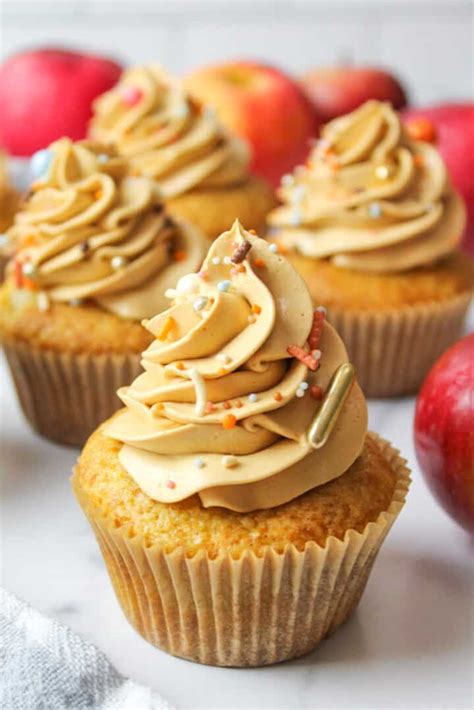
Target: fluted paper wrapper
[[393, 351], [252, 611], [65, 396]]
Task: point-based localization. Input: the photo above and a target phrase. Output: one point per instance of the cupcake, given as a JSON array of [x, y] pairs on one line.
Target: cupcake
[[201, 172], [9, 200], [95, 254], [373, 225], [238, 500]]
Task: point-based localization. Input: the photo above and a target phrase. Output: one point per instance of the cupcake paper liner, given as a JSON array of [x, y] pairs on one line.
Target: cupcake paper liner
[[65, 396], [393, 351], [251, 611]]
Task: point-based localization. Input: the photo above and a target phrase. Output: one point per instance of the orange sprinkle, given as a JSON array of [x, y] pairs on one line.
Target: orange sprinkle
[[259, 263], [98, 194], [238, 404], [315, 391], [422, 129], [222, 371], [29, 240], [277, 396], [227, 405], [180, 255], [29, 285], [229, 421], [418, 160], [252, 231], [166, 328], [180, 366], [256, 309], [282, 248]]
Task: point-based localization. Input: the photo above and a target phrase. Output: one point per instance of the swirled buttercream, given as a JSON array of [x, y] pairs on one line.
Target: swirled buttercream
[[167, 135], [91, 231], [370, 198], [222, 408]]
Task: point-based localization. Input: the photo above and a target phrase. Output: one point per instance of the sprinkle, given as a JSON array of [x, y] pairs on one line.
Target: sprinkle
[[256, 309], [98, 194], [200, 389], [227, 260], [223, 357], [382, 172], [170, 484], [316, 329], [238, 403], [118, 262], [241, 252], [304, 357], [29, 269], [74, 302], [316, 392], [170, 293], [422, 129], [252, 231], [259, 263], [273, 248], [210, 407], [287, 180], [200, 303], [181, 110], [374, 210], [3, 240], [303, 385], [179, 255], [224, 286], [102, 158], [188, 284], [230, 461], [300, 392], [42, 300], [199, 462], [180, 366], [216, 260], [18, 273], [40, 162], [229, 421], [277, 396], [131, 95], [316, 354], [321, 309], [252, 397], [227, 405], [251, 319], [166, 328], [222, 371]]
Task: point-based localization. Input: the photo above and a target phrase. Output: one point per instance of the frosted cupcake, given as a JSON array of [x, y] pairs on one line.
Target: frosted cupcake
[[9, 201], [200, 170], [374, 226], [95, 254], [238, 499]]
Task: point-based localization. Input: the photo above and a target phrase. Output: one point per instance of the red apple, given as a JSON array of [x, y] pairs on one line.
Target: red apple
[[262, 105], [47, 93], [335, 91], [444, 431], [453, 126]]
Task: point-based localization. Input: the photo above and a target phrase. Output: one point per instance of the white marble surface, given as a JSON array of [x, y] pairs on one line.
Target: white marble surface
[[410, 644]]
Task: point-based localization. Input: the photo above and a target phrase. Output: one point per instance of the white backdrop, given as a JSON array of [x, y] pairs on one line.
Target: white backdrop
[[429, 43]]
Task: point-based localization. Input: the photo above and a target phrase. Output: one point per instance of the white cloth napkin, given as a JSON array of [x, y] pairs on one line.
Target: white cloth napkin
[[46, 666]]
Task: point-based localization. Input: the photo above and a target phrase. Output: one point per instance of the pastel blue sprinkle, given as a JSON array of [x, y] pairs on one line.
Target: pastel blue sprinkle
[[199, 463], [200, 303], [304, 386], [252, 397], [224, 285], [40, 162], [273, 248], [375, 210], [102, 158]]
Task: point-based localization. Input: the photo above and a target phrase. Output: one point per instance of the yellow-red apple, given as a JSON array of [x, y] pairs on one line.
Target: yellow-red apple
[[264, 106]]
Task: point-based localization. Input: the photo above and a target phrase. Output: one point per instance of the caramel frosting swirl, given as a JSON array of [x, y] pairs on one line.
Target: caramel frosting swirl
[[222, 409], [91, 231], [167, 136], [370, 198]]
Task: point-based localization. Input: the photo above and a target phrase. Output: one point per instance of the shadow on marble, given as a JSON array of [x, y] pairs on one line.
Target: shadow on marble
[[409, 602]]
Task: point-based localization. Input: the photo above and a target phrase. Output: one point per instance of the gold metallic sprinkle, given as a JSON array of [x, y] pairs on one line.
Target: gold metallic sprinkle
[[328, 413]]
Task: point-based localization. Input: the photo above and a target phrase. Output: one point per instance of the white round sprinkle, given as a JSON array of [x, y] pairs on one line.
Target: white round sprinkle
[[227, 260], [216, 260], [273, 248], [223, 286], [287, 180], [300, 392], [199, 463], [43, 301], [316, 354], [181, 110], [382, 172], [200, 303], [29, 269], [229, 461], [295, 219], [188, 284], [375, 210], [223, 357], [170, 293], [304, 385], [102, 158], [118, 262], [321, 309], [252, 397]]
